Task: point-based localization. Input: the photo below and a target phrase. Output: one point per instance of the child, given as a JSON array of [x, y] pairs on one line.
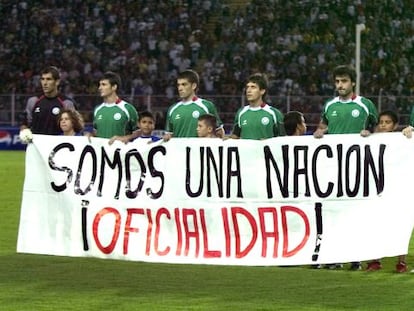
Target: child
[[206, 126], [388, 122], [70, 122], [146, 123], [294, 123]]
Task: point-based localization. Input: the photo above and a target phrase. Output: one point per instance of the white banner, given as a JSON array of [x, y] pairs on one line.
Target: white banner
[[282, 201]]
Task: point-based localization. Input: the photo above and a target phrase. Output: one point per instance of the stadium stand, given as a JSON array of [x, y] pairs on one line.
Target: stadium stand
[[296, 42]]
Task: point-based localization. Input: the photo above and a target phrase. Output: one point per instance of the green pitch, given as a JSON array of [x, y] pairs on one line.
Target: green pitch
[[36, 282]]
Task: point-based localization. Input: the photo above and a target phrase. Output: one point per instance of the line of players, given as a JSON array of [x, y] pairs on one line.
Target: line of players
[[53, 113]]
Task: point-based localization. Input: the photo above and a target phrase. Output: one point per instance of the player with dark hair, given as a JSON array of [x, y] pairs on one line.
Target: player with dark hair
[[257, 120], [182, 117], [42, 111], [114, 117], [348, 113]]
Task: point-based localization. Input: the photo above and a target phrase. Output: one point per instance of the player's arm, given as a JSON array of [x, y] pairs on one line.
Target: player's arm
[[371, 121], [236, 132], [213, 111], [279, 126], [320, 130], [126, 138], [167, 136], [169, 128], [31, 102], [220, 132]]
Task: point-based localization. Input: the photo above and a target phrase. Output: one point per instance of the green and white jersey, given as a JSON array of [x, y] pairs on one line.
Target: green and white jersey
[[119, 119], [350, 116], [182, 117], [258, 122]]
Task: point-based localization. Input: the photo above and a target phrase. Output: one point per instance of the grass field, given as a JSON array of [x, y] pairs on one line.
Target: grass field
[[35, 282]]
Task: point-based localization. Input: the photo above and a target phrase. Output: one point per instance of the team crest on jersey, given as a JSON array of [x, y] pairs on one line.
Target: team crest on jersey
[[355, 113], [117, 116], [196, 114], [55, 111], [265, 120], [37, 109]]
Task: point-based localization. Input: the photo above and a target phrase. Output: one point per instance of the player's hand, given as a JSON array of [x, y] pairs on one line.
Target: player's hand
[[408, 131], [365, 133], [26, 136], [124, 139], [166, 136], [220, 133], [88, 135], [318, 133]]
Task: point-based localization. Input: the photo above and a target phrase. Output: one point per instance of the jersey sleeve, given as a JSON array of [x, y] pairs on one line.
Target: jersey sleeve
[[236, 128], [133, 119], [279, 126], [372, 119], [412, 117], [324, 119], [168, 124], [213, 110], [94, 117], [31, 102]]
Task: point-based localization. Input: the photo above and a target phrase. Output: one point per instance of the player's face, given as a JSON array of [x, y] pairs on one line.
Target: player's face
[[254, 94], [386, 124], [65, 122], [146, 125], [106, 89], [186, 90], [202, 129], [344, 86], [49, 84]]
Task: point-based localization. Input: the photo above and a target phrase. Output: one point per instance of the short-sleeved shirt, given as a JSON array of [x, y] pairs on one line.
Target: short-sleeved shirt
[[42, 113], [260, 122], [182, 117], [115, 119], [349, 116]]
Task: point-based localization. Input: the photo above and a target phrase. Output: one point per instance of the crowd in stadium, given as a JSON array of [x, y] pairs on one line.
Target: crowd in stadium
[[297, 43]]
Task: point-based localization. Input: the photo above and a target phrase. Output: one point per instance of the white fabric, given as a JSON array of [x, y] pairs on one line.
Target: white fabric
[[240, 216]]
